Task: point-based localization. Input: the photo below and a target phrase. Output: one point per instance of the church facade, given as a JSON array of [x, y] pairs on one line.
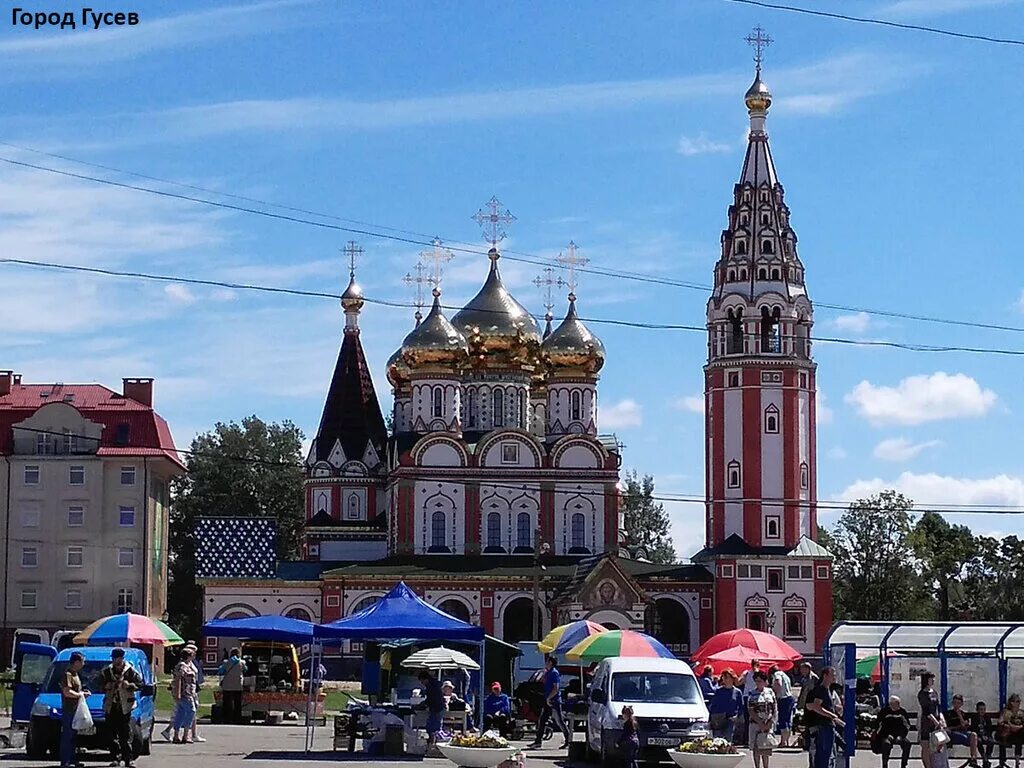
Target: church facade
[[493, 487]]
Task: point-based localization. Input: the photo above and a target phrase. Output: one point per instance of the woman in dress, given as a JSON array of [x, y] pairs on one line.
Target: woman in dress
[[185, 690], [930, 718], [763, 711]]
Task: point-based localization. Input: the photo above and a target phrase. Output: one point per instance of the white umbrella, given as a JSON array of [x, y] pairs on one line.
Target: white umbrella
[[440, 658]]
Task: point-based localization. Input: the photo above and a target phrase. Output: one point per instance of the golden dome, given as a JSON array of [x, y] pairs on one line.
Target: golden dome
[[397, 369], [758, 97], [572, 345], [435, 341], [352, 298], [493, 321]]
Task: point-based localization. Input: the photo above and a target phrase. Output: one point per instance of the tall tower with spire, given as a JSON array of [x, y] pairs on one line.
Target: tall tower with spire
[[760, 388]]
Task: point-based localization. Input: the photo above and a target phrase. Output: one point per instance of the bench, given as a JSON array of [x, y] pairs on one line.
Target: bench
[[962, 753]]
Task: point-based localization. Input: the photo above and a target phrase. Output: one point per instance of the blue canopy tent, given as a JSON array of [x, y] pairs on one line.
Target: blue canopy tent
[[280, 629], [401, 615]]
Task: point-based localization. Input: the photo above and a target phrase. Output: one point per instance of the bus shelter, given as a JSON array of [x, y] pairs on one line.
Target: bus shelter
[[983, 661]]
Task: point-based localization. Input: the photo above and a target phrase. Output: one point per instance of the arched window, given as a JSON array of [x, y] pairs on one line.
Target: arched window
[[743, 274], [772, 527], [805, 477], [735, 346], [776, 275], [732, 275], [494, 530], [363, 604], [471, 408], [352, 509], [771, 338], [734, 476], [741, 247], [498, 406], [762, 274], [765, 219], [767, 247], [438, 528], [299, 613], [455, 608], [438, 402], [578, 531], [576, 405], [771, 420], [524, 536]]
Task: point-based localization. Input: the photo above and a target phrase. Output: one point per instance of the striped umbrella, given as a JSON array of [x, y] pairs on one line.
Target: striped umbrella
[[618, 642], [440, 658], [128, 628], [560, 639]]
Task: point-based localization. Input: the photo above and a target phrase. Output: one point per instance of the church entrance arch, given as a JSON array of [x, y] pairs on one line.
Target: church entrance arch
[[517, 621], [669, 621]]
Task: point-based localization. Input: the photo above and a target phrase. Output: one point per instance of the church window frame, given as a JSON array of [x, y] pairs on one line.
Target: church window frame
[[743, 274], [771, 420], [576, 405], [726, 571], [773, 527], [510, 453], [822, 572], [735, 340], [743, 571], [731, 276], [757, 620], [353, 507], [744, 220], [803, 380], [733, 379], [438, 531], [794, 624], [774, 579], [734, 474], [498, 407], [741, 247], [765, 219], [578, 531], [471, 406], [805, 476], [438, 402], [493, 531], [523, 423], [776, 275], [524, 531], [768, 247], [762, 273]]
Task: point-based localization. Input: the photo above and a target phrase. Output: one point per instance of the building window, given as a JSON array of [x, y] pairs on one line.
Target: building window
[[765, 219], [510, 453], [755, 571], [76, 516], [734, 475], [31, 474], [726, 571], [127, 475], [773, 580], [793, 572], [741, 247], [352, 510], [804, 476], [524, 533], [125, 557], [333, 601], [498, 406], [494, 530], [772, 527], [76, 475], [576, 405], [734, 379], [805, 572], [771, 420], [705, 603], [803, 380], [125, 600], [73, 599], [776, 275], [438, 402], [471, 409], [126, 517], [76, 557], [522, 411], [438, 526], [794, 625], [28, 599], [822, 571], [742, 571], [767, 247], [29, 557], [29, 517], [756, 620], [579, 531]]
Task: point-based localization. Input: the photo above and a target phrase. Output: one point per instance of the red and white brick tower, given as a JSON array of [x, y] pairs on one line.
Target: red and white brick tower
[[760, 414]]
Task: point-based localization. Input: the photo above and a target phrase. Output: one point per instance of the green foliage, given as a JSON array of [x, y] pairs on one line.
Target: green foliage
[[645, 520], [942, 551], [247, 469]]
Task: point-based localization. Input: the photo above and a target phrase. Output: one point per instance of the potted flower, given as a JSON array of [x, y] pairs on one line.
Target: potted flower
[[707, 753], [488, 750]]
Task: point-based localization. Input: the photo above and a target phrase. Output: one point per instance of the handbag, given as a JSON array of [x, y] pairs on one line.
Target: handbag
[[767, 740], [937, 740], [82, 721]]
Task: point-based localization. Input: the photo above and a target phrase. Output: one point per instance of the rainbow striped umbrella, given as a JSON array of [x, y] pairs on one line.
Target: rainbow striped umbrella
[[560, 639], [128, 628], [618, 642]]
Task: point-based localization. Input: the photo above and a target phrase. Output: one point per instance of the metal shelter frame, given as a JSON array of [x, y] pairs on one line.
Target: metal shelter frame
[[961, 640]]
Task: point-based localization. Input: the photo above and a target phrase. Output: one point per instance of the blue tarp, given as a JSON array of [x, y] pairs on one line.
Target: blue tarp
[[399, 615], [276, 628]]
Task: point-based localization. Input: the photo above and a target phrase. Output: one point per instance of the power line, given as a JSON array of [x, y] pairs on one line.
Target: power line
[[415, 238], [907, 347], [881, 22]]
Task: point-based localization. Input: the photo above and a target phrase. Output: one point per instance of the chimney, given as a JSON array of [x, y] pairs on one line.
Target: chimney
[[7, 382], [139, 390]]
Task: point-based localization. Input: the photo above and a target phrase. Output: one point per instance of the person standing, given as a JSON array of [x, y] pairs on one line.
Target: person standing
[[434, 703], [552, 705], [707, 683], [71, 694], [725, 707], [186, 695], [232, 681], [930, 718], [822, 721], [200, 679], [782, 687], [120, 682], [764, 716]]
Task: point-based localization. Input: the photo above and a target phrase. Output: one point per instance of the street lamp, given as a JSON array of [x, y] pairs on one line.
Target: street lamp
[[539, 549]]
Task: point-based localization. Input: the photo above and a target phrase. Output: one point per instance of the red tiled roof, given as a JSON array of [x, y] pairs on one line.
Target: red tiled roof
[[148, 433]]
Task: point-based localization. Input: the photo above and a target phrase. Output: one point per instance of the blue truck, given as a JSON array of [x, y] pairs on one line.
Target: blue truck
[[37, 700]]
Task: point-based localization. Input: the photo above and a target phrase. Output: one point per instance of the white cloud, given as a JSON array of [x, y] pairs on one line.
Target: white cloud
[[822, 413], [701, 145], [180, 293], [690, 403], [919, 399], [902, 449], [837, 453], [858, 322], [919, 8], [937, 490], [622, 415]]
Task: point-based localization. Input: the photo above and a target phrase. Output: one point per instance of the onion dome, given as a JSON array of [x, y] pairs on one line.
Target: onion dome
[[435, 342], [758, 97], [397, 369], [493, 321], [572, 345], [352, 298]]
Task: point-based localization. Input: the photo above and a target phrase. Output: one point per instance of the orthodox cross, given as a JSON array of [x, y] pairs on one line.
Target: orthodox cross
[[353, 251], [547, 281], [758, 39], [417, 282], [493, 221], [435, 258], [572, 260]]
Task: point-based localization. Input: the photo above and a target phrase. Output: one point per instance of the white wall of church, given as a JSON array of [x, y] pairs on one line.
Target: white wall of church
[[509, 516], [439, 517], [586, 501], [570, 413]]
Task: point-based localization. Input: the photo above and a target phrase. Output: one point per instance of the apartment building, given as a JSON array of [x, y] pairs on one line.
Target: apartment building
[[84, 494]]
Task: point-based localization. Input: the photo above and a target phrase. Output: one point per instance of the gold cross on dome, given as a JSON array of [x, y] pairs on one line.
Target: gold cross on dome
[[572, 260], [417, 283], [435, 258], [353, 251], [493, 221], [759, 40], [547, 281]]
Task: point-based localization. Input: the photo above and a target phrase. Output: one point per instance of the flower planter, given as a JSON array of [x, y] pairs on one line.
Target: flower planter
[[477, 757], [701, 760]]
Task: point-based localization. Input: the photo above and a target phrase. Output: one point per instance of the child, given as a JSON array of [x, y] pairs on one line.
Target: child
[[629, 741]]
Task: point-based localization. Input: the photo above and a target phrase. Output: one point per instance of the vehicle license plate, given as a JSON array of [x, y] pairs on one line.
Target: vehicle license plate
[[661, 741]]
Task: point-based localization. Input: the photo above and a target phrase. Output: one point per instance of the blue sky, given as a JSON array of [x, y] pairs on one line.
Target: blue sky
[[620, 126]]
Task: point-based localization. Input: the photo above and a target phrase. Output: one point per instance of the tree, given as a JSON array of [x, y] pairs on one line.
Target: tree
[[993, 583], [943, 551], [247, 469], [875, 573], [645, 520]]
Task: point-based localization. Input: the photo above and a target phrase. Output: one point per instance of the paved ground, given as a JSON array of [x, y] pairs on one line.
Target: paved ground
[[279, 746]]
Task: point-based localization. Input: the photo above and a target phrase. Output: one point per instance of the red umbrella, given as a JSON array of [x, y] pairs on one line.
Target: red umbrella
[[739, 660], [768, 647]]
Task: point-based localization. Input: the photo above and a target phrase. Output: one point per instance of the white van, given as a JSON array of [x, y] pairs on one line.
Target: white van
[[666, 701]]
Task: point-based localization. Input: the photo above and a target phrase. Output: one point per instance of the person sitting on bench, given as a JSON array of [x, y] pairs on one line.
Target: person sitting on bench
[[959, 727], [981, 726], [1010, 731], [893, 729]]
